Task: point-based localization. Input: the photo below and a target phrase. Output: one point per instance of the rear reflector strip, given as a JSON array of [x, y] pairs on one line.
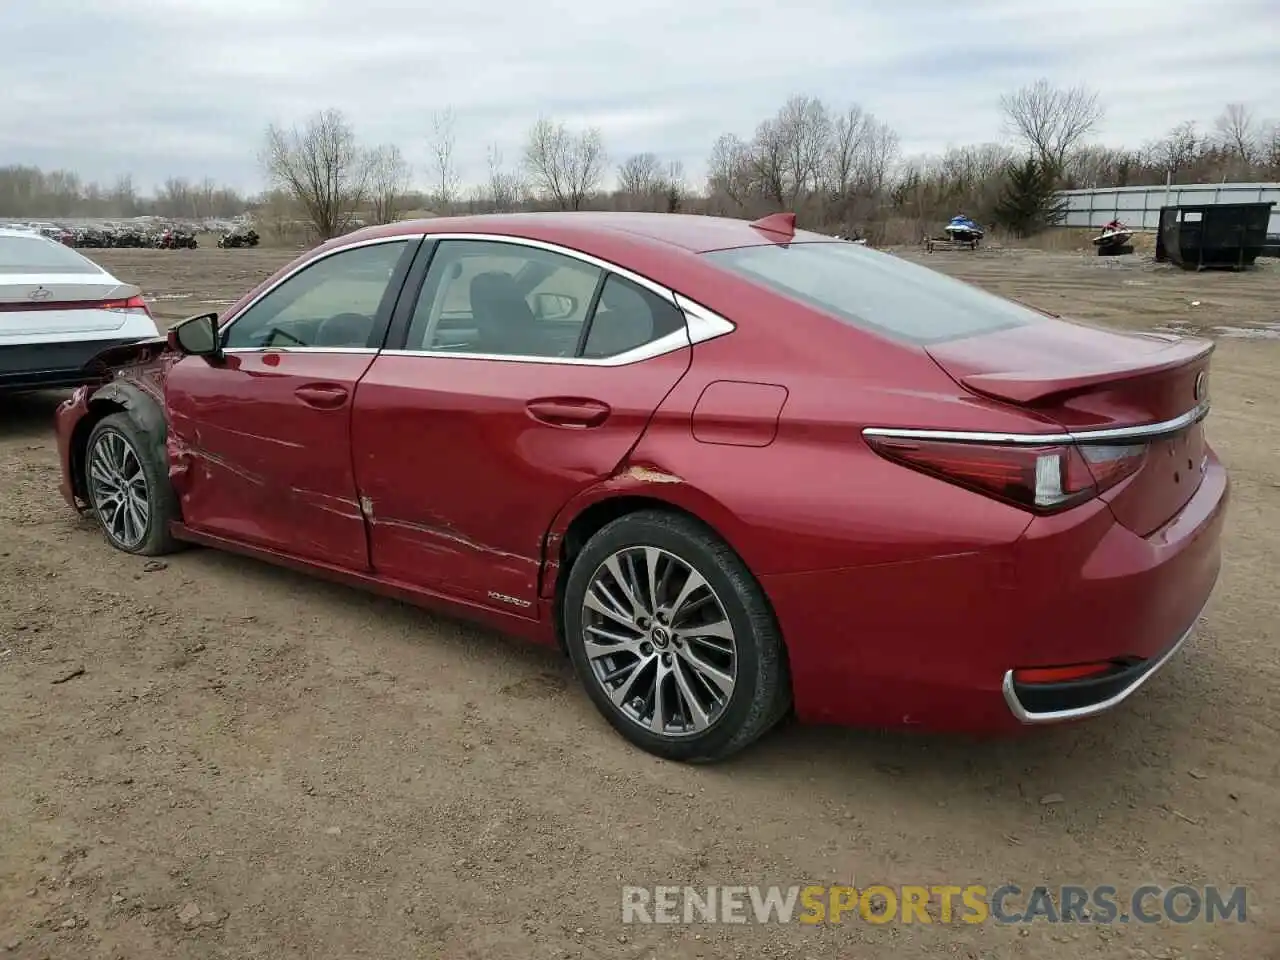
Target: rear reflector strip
[[1080, 671]]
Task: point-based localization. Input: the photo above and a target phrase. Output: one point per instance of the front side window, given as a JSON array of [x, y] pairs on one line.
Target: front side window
[[876, 291], [332, 303], [503, 299]]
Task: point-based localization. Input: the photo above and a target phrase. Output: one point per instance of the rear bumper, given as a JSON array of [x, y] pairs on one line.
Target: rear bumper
[[40, 366], [1081, 699], [931, 643]]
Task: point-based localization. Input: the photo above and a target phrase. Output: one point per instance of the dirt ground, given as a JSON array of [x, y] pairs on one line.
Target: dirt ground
[[253, 764]]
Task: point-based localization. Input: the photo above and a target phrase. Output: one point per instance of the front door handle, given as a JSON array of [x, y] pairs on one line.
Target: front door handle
[[324, 396], [569, 411]]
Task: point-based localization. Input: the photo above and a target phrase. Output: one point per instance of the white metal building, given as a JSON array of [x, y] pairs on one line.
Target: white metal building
[[1139, 207]]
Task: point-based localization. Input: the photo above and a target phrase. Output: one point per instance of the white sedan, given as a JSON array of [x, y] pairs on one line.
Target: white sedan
[[58, 310]]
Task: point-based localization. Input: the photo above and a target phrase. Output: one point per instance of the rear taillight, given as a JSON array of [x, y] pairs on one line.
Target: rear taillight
[[133, 303], [1043, 479]]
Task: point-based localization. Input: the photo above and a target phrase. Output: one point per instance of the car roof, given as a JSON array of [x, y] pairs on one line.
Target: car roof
[[19, 232], [690, 232]]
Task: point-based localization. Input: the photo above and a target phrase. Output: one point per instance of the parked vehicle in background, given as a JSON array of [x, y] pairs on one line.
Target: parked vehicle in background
[[728, 467], [239, 237], [177, 238], [58, 310]]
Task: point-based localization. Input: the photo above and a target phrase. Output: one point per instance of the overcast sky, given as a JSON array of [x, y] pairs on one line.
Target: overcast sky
[[162, 88]]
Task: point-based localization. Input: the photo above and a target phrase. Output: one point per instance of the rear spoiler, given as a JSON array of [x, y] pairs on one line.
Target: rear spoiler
[[1032, 387]]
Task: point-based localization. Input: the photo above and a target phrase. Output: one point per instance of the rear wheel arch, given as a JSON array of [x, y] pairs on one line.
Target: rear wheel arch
[[598, 514]]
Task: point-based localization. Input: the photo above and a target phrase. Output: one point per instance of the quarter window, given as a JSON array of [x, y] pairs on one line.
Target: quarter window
[[629, 316], [331, 304]]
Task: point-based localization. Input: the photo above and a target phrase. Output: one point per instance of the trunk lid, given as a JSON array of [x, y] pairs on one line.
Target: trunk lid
[[35, 305], [1087, 378]]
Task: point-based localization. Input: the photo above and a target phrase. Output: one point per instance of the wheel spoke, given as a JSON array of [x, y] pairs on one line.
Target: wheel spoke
[[708, 672], [622, 692], [697, 715], [625, 583], [651, 558], [692, 584], [658, 721], [606, 608]]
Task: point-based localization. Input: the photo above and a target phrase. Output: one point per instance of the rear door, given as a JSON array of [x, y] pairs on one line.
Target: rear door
[[523, 376], [261, 438]]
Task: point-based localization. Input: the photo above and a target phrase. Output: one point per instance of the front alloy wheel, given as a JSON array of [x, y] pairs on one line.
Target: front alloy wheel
[[118, 490]]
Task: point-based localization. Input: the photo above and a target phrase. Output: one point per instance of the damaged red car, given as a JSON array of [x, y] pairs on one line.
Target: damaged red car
[[733, 469]]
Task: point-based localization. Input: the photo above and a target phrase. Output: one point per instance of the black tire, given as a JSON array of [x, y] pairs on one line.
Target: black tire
[[761, 693], [162, 503]]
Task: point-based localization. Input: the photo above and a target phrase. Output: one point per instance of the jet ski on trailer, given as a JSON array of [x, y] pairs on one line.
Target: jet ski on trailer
[[961, 232], [960, 229], [1113, 239]]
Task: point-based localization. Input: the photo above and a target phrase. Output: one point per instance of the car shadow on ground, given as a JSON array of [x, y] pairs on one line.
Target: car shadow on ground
[[1126, 758], [28, 414]]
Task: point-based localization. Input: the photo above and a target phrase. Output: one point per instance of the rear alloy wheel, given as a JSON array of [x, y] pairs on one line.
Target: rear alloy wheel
[[129, 493], [674, 639]]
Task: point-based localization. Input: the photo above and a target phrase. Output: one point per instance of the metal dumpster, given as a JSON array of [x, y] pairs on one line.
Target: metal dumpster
[[1216, 235]]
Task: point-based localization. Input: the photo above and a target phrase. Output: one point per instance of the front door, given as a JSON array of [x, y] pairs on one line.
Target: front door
[[526, 375], [261, 437]]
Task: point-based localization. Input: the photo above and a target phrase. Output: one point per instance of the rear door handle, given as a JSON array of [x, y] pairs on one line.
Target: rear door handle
[[325, 396], [569, 411]]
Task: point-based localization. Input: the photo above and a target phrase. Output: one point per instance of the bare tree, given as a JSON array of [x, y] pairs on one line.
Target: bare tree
[[803, 129], [1237, 131], [321, 167], [566, 168], [845, 150], [506, 188], [674, 187], [1178, 149], [1051, 120], [640, 176], [389, 176], [443, 145], [728, 169]]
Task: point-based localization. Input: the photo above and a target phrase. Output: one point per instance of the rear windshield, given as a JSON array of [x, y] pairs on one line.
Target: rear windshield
[[876, 291], [38, 255]]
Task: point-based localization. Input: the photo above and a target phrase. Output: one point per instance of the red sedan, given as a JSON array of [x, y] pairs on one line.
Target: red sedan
[[730, 468]]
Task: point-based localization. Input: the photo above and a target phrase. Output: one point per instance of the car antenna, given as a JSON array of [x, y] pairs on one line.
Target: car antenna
[[782, 224]]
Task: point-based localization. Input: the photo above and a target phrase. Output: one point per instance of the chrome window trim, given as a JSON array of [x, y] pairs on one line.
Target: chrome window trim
[[701, 323], [1142, 431], [242, 350], [677, 340], [223, 328]]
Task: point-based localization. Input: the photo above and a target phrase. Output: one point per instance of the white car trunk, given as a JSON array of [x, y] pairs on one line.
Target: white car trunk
[[54, 306]]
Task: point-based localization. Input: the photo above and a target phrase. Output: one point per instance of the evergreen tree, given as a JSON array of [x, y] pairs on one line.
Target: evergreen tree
[[1029, 201]]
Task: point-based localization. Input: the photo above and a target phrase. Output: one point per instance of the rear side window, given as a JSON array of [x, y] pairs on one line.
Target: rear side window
[[876, 291], [38, 255]]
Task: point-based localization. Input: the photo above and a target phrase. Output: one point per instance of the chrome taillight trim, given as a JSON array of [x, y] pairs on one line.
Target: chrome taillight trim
[[1142, 431]]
